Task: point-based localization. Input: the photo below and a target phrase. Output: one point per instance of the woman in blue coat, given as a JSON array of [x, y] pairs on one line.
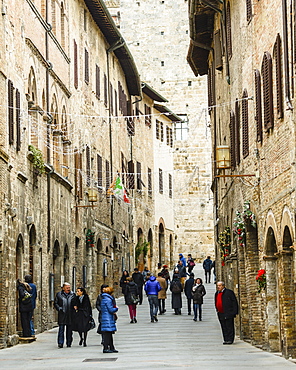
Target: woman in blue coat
[[108, 325]]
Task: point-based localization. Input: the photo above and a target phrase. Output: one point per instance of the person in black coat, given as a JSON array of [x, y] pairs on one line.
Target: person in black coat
[[198, 292], [123, 281], [25, 306], [138, 278], [131, 291], [64, 304], [82, 315], [227, 308], [188, 291], [176, 289]]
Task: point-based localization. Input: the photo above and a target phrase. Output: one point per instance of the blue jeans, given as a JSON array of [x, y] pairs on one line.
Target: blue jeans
[[195, 307], [153, 302], [69, 334], [189, 304]]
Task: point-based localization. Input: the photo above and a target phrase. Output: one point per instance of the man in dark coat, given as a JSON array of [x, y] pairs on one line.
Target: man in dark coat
[[138, 279], [29, 280], [188, 291], [227, 308], [64, 304], [207, 266], [182, 272]]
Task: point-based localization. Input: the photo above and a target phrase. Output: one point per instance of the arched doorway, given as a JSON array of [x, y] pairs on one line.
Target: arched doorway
[[150, 250], [32, 243], [57, 267], [272, 303], [66, 265], [161, 244], [19, 273]]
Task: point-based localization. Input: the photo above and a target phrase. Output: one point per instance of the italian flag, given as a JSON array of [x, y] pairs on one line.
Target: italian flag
[[117, 189]]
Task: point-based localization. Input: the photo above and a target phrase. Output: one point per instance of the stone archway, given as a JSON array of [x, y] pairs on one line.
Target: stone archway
[[161, 244], [19, 274], [150, 250], [56, 254], [272, 299]]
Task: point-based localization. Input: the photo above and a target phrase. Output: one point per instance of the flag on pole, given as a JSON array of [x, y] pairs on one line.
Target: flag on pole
[[117, 189]]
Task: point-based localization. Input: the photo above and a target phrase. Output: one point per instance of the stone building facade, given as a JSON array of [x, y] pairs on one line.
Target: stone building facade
[[69, 128], [247, 50], [158, 36]]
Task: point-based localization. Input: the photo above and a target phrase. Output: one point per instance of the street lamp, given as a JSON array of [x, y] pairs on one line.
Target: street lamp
[[92, 195], [223, 156]]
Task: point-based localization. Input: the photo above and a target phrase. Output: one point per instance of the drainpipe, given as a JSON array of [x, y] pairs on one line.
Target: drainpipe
[[118, 44], [286, 56]]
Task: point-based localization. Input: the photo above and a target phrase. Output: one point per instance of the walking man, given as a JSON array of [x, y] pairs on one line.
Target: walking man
[[207, 266], [64, 304], [138, 279], [227, 308], [188, 291], [29, 280], [152, 287]]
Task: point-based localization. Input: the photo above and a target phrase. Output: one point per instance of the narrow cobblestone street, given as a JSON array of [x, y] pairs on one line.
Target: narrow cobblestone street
[[174, 342]]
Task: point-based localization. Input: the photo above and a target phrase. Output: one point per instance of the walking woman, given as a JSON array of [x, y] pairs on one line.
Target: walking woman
[[82, 316], [123, 281], [198, 291], [25, 306], [132, 298], [176, 289], [108, 325]]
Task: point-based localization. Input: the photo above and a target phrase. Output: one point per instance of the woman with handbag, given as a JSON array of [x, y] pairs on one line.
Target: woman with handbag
[[131, 298], [83, 315], [198, 292], [108, 324]]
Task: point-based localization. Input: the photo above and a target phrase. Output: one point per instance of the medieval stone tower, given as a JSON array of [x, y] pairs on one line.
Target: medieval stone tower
[[157, 33]]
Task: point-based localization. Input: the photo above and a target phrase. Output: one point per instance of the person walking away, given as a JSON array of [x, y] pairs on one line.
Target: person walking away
[[132, 298], [123, 281], [145, 272], [227, 308], [25, 306], [82, 316], [182, 273], [198, 292], [108, 324], [165, 274], [207, 266], [190, 263], [176, 289], [64, 304], [98, 306], [214, 270], [152, 287], [139, 280], [29, 280], [162, 293], [188, 291], [183, 259]]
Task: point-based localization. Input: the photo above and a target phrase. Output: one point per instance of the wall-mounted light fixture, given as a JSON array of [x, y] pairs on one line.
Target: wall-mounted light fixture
[[223, 156]]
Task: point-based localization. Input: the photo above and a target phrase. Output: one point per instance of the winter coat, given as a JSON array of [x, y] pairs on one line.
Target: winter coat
[[34, 294], [164, 286], [64, 304], [107, 311], [176, 297], [165, 274], [183, 259], [138, 279], [25, 305], [188, 287], [82, 315], [123, 283], [229, 301], [198, 291], [152, 286], [131, 288], [207, 264], [182, 271]]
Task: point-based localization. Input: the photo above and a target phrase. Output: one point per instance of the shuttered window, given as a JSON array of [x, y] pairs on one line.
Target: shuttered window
[[130, 119], [160, 180], [115, 103], [258, 106], [237, 133], [111, 99], [218, 51], [131, 175], [167, 130], [105, 90], [228, 31], [232, 140], [277, 55], [149, 182], [171, 138], [108, 175], [157, 129], [266, 72], [86, 66], [147, 115], [210, 91], [18, 120], [170, 186], [100, 173], [87, 152], [161, 131], [98, 84], [249, 10], [139, 176], [10, 112], [75, 65], [245, 124], [78, 174]]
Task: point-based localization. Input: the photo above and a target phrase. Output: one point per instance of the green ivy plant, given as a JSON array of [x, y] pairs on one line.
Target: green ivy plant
[[141, 247], [37, 159]]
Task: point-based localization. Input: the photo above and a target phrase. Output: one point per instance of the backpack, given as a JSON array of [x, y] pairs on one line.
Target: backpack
[[176, 288]]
